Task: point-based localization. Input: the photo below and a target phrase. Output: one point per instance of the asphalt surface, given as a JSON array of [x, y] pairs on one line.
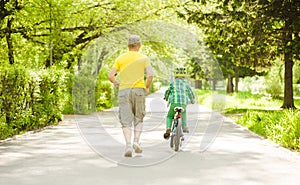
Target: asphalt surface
[[88, 150]]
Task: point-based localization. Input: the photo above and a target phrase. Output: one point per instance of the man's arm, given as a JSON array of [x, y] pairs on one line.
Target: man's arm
[[149, 77], [111, 77]]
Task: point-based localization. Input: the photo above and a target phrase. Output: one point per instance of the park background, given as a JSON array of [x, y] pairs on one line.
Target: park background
[[55, 56]]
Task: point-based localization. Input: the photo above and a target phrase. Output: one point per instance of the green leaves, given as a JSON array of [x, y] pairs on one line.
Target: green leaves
[[61, 29], [29, 99]]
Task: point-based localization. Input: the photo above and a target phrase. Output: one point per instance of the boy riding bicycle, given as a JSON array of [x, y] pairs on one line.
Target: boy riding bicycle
[[179, 94]]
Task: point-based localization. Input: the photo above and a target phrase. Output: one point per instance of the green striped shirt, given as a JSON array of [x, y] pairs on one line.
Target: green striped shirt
[[180, 92]]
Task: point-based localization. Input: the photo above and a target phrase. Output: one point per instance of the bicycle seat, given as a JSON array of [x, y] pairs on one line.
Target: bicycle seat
[[179, 109]]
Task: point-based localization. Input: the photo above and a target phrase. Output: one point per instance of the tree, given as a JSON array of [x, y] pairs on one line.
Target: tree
[[57, 31], [251, 33], [279, 20], [228, 34], [197, 72], [8, 8]]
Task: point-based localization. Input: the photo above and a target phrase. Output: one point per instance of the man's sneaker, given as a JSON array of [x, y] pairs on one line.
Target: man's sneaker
[[167, 134], [186, 130], [137, 148], [128, 152]]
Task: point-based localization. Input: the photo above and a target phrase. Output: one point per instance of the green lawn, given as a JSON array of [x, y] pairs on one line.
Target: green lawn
[[241, 100], [259, 113]]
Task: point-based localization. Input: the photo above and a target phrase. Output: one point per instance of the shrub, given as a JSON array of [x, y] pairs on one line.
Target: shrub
[[274, 81], [15, 99], [296, 88], [254, 84], [274, 89], [49, 99], [104, 95], [90, 93], [83, 95], [29, 99], [68, 105]]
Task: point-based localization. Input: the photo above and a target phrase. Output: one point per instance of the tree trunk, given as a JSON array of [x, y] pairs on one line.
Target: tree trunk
[[79, 61], [104, 52], [198, 84], [236, 88], [229, 88], [214, 84], [288, 100], [9, 42]]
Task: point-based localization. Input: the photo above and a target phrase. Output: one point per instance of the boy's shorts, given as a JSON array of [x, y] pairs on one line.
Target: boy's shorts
[[131, 106]]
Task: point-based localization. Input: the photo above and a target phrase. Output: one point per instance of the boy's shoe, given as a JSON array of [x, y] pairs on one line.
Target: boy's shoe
[[137, 148], [128, 152], [186, 130], [167, 134]]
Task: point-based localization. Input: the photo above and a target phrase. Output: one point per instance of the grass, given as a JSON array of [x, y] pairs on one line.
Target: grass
[[282, 127], [260, 114]]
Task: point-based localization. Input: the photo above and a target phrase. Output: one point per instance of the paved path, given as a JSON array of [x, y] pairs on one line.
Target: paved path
[[88, 150]]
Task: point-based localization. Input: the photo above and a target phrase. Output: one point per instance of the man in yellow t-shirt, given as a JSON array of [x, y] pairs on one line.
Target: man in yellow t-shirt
[[132, 66]]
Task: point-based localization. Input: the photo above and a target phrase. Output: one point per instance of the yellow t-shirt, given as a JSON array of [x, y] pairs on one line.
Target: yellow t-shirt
[[132, 67]]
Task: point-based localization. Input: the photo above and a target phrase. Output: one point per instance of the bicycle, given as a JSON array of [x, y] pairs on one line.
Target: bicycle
[[176, 130]]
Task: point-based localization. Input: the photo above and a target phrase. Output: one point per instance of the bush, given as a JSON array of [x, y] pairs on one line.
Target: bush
[[255, 85], [68, 106], [49, 99], [296, 88], [29, 99], [274, 89], [83, 95], [90, 94], [274, 81], [104, 95], [16, 89]]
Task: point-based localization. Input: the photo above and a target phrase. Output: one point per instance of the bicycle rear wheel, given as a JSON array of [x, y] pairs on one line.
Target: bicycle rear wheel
[[172, 141], [177, 137], [172, 133]]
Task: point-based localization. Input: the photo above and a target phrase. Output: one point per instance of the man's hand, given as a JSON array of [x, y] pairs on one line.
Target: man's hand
[[111, 77]]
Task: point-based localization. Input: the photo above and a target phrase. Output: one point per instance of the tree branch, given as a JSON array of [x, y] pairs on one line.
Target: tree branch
[[4, 12]]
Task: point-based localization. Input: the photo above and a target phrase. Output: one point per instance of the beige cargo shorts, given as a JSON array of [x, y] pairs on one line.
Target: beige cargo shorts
[[131, 106]]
